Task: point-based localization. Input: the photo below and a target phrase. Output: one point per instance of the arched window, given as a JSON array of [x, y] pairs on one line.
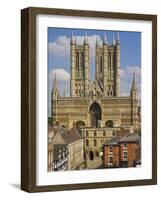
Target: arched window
[[82, 60], [87, 143], [77, 60], [101, 64], [87, 134], [95, 142]]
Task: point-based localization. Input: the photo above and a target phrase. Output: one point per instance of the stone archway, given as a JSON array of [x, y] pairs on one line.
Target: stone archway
[[91, 155], [95, 114], [109, 124], [80, 124]]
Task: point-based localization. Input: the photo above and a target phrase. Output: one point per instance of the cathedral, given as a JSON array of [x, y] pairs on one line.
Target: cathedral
[[95, 107], [95, 103]]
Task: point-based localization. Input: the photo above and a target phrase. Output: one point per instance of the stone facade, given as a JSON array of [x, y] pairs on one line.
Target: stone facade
[[95, 105], [71, 144], [96, 102]]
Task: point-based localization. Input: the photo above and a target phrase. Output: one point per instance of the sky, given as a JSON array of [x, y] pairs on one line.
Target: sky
[[59, 56]]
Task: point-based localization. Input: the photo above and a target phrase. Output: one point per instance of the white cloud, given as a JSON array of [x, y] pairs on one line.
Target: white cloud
[[63, 80], [61, 75], [61, 45], [128, 71]]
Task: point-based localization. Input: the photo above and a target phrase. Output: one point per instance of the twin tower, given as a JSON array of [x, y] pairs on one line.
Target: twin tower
[[107, 67]]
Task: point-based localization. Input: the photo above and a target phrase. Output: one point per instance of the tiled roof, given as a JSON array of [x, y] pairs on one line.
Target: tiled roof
[[130, 137], [113, 141], [70, 136]]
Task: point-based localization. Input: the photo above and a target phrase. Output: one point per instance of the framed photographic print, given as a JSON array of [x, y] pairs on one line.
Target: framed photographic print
[[88, 99]]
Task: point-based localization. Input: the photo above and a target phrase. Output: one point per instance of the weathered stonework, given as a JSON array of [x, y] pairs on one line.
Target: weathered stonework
[[95, 104]]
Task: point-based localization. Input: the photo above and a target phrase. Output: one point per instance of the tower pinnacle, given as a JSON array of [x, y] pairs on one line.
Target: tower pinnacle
[[134, 93], [118, 38], [133, 82], [86, 39]]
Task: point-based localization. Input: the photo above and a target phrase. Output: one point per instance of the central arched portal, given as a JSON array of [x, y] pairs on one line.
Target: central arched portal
[[95, 114]]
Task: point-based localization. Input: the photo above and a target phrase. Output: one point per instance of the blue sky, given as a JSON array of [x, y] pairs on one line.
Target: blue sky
[[59, 56]]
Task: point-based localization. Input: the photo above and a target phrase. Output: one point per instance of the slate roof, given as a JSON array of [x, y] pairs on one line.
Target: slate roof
[[130, 137], [70, 136], [113, 141]]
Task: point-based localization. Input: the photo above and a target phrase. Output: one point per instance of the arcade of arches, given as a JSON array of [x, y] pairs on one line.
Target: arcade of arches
[[95, 117]]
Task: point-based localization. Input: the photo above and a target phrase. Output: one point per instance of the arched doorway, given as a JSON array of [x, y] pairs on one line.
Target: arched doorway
[[91, 155], [109, 124], [95, 114], [80, 124]]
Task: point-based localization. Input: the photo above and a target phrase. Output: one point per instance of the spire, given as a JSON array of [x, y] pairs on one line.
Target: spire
[[134, 93], [118, 38], [97, 42], [133, 82], [113, 40], [105, 38], [86, 38]]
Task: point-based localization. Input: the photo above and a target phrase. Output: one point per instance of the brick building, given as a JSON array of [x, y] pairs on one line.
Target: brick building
[[122, 152]]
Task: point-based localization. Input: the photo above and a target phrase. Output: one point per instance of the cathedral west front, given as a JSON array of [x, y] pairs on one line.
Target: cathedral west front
[[95, 106]]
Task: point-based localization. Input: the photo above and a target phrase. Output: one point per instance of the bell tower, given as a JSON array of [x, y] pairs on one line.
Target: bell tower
[[80, 62], [108, 66]]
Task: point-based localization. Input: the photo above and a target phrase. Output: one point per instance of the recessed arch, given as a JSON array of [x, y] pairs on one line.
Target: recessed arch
[[80, 124], [95, 114], [91, 155], [109, 124]]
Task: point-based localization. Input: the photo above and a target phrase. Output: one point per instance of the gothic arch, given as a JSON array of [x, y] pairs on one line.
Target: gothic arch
[[77, 60], [91, 155], [95, 114], [79, 124], [101, 64], [109, 124], [82, 59]]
